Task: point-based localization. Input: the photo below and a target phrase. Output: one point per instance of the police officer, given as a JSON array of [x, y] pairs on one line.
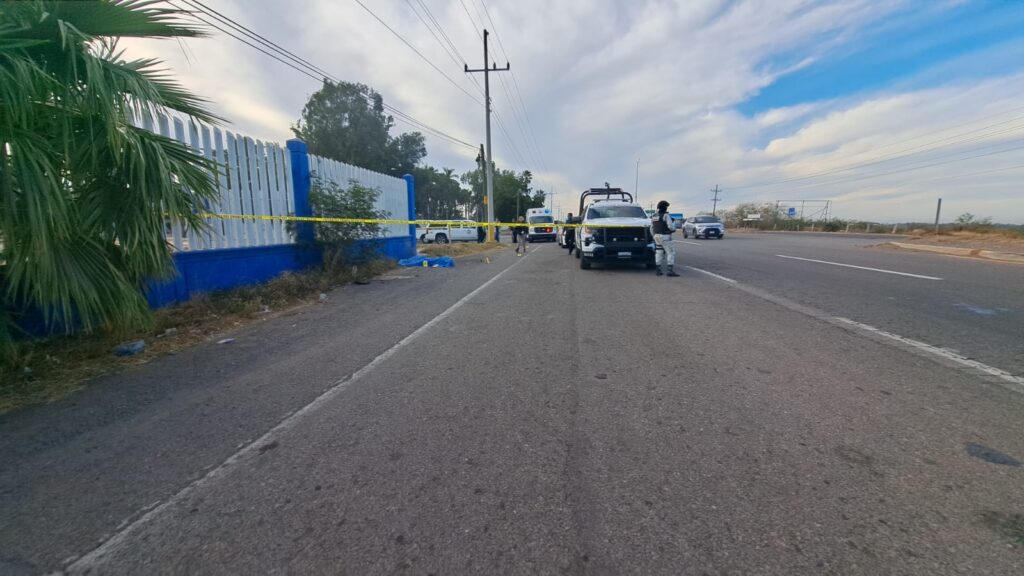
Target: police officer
[[664, 248]]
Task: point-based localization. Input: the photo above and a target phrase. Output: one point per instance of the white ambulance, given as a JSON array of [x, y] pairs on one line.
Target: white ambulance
[[541, 225]]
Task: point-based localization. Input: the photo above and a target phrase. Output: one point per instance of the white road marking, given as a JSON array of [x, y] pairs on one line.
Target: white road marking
[[693, 243], [729, 280], [860, 267], [947, 354], [1016, 382], [119, 539]]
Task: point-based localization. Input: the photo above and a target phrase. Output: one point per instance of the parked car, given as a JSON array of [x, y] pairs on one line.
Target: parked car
[[449, 231], [706, 226], [613, 228]]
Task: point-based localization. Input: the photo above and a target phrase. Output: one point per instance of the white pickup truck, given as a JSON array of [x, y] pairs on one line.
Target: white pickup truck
[[448, 231], [613, 228]]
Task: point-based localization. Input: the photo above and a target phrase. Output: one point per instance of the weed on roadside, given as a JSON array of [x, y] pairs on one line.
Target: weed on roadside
[[1009, 526], [49, 369]]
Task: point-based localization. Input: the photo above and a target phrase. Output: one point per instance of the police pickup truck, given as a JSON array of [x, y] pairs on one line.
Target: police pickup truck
[[443, 232], [613, 228]]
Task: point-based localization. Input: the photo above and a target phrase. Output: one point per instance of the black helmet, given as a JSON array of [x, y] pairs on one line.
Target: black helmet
[[663, 205]]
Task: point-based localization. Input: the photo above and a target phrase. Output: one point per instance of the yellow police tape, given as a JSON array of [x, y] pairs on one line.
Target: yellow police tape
[[418, 223]]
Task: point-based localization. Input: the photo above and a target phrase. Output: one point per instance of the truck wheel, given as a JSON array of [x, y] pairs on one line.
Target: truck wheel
[[423, 238], [584, 264], [577, 250], [441, 239], [650, 264], [684, 233]]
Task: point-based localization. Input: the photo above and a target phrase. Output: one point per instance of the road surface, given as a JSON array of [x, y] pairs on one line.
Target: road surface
[[761, 414]]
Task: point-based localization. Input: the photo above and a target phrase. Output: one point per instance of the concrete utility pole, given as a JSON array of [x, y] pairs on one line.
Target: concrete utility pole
[[480, 159], [487, 109], [938, 210], [714, 207]]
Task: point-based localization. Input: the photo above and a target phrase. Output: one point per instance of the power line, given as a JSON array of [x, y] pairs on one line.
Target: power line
[[504, 88], [522, 105], [474, 25], [297, 61], [512, 145], [447, 44], [441, 43], [418, 53], [261, 39]]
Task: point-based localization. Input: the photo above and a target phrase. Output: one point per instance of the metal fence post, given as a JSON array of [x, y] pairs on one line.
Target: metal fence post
[[304, 231], [410, 191]]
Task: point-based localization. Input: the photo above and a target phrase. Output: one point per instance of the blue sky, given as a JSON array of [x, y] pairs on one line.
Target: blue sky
[[901, 48], [755, 96]]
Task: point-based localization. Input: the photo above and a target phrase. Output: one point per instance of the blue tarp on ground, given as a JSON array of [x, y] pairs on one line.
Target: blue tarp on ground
[[439, 262]]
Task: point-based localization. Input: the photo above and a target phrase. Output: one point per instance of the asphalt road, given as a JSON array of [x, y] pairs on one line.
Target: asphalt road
[[526, 416]]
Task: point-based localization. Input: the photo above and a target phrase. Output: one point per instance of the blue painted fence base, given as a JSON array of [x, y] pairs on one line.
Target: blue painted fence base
[[206, 271]]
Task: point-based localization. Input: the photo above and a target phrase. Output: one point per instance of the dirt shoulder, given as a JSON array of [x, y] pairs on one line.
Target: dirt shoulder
[[995, 246], [458, 249], [995, 241]]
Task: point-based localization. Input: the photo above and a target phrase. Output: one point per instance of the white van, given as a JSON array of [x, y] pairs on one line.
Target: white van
[[541, 225]]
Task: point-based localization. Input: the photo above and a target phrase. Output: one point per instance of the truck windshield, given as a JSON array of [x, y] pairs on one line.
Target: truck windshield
[[615, 211], [540, 219]]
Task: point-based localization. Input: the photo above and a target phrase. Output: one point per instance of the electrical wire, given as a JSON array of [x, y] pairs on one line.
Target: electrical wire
[[418, 53], [515, 82], [299, 64]]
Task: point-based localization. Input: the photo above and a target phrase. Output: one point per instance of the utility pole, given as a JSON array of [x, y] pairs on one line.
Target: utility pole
[[938, 211], [487, 110], [636, 185], [714, 207], [480, 164]]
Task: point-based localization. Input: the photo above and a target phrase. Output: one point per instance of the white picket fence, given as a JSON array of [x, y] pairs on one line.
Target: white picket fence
[[393, 199], [255, 179]]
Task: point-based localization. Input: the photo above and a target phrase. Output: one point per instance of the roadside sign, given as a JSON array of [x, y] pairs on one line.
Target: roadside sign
[[753, 217], [791, 212]]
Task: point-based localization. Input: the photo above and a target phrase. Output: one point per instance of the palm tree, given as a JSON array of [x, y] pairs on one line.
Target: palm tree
[[84, 194]]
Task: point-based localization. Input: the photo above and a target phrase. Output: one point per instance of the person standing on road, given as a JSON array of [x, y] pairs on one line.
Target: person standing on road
[[569, 235], [664, 249], [519, 232]]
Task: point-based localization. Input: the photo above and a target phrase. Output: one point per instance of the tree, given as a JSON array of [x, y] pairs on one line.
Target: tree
[[346, 122], [439, 194], [83, 193], [508, 186]]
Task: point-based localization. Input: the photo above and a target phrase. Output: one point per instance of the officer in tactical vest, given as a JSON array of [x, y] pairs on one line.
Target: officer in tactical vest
[[664, 248]]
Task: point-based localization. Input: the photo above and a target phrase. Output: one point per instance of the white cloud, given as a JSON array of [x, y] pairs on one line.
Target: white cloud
[[606, 82]]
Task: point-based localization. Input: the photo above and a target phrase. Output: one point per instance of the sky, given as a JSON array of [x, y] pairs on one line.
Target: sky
[[880, 106]]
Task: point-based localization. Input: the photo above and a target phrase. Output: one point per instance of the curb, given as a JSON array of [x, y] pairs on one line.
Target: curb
[[964, 252]]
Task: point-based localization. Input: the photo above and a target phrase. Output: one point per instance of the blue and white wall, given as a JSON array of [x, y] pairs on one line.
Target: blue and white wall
[[264, 179]]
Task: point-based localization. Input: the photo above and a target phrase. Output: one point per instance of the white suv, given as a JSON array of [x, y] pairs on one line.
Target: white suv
[[706, 226], [613, 228]]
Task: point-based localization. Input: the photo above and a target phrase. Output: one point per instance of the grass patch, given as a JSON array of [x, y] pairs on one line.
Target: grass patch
[[1009, 526], [51, 369], [456, 249]]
